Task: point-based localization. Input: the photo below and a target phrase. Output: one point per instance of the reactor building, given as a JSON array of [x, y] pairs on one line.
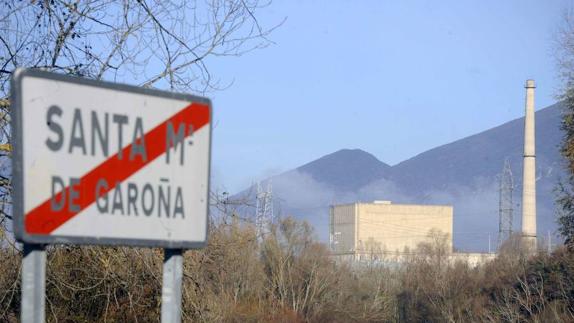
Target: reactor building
[[381, 229]]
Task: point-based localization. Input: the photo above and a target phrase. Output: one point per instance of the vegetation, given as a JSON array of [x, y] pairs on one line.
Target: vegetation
[[565, 50], [289, 277]]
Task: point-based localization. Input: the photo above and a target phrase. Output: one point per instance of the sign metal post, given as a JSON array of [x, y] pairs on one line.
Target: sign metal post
[[33, 283], [171, 287]]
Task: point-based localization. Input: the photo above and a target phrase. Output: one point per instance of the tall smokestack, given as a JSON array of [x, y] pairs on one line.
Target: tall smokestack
[[529, 173]]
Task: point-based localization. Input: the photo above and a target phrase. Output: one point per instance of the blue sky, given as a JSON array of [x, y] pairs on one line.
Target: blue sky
[[392, 78]]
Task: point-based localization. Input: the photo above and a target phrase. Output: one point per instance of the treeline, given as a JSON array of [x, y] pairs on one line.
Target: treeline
[[289, 277]]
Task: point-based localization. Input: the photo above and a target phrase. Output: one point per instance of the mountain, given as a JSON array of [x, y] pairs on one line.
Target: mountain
[[334, 169], [462, 173], [482, 155]]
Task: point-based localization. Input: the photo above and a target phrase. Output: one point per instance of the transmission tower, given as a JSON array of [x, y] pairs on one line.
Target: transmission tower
[[264, 208], [505, 206]]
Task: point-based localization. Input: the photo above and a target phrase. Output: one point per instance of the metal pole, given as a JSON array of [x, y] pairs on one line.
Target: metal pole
[[33, 284], [171, 288]]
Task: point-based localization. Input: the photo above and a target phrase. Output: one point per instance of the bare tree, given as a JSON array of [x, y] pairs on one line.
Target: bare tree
[[151, 43], [156, 43], [564, 51]]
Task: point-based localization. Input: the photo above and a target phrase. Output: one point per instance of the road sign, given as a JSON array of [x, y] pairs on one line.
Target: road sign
[[102, 163]]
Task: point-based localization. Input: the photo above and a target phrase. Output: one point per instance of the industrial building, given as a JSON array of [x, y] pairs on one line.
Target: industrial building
[[382, 229], [391, 233]]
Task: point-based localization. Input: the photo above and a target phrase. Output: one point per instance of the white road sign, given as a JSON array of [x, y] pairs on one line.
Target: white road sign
[[102, 163]]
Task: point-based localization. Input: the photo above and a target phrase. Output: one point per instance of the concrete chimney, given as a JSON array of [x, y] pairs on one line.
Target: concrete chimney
[[529, 173]]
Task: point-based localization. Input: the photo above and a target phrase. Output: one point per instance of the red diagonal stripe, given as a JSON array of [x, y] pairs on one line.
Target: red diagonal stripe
[[43, 220]]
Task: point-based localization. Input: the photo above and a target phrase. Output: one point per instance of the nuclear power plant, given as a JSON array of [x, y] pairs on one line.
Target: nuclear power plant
[[529, 173], [382, 230]]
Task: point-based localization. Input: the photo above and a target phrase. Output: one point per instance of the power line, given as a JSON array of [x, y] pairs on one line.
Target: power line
[[505, 205], [264, 216]]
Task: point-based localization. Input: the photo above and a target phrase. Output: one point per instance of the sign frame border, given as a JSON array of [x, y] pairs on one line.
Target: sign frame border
[[16, 128]]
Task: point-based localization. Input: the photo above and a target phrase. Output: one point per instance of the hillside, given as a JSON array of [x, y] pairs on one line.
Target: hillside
[[462, 173], [334, 169]]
